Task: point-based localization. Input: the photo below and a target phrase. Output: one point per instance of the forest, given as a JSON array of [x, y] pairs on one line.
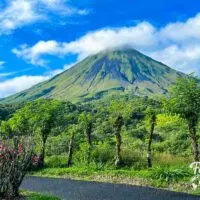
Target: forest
[[123, 132]]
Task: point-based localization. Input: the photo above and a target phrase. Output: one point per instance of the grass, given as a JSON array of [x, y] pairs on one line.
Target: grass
[[37, 196], [169, 178], [169, 173]]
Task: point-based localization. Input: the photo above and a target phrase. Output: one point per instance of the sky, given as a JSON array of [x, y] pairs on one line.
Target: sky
[[41, 38]]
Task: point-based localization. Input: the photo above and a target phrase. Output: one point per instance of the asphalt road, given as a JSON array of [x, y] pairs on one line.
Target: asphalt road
[[82, 190]]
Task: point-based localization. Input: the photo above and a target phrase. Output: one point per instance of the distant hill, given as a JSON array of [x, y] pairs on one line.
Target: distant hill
[[109, 72]]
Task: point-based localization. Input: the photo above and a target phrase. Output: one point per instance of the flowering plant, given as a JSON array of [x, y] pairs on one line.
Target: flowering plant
[[15, 159]]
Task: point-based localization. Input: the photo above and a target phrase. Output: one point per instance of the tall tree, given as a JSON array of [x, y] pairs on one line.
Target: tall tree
[[45, 117], [38, 117], [154, 107], [86, 120], [185, 101], [152, 120], [73, 131], [117, 128]]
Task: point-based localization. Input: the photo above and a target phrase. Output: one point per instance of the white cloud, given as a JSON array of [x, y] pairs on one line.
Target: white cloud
[[186, 59], [5, 74], [62, 7], [17, 84], [18, 13], [32, 55], [182, 31], [138, 37], [177, 44]]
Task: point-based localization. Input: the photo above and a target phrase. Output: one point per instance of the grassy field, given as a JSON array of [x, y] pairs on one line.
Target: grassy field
[[36, 196]]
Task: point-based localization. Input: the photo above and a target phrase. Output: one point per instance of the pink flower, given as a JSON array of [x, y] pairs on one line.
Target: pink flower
[[35, 159], [1, 148], [20, 149]]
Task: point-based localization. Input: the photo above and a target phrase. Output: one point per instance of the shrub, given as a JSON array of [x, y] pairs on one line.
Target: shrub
[[170, 174], [103, 153], [56, 161], [15, 160], [133, 158]]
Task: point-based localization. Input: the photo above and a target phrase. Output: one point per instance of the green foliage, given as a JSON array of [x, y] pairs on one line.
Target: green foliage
[[56, 161], [57, 120], [7, 110], [185, 101], [170, 175], [103, 153], [185, 98], [37, 196]]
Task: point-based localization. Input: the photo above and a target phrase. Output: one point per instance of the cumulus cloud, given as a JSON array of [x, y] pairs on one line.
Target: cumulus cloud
[[17, 84], [139, 36], [177, 44], [18, 13], [186, 58], [183, 31]]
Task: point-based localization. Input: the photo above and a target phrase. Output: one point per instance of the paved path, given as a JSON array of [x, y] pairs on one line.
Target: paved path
[[81, 190]]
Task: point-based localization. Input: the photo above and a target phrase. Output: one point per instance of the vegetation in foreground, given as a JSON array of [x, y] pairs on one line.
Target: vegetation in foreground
[[168, 173], [111, 137], [36, 196]]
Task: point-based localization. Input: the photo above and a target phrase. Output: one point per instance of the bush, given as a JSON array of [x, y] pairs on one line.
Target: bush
[[103, 153], [170, 174], [133, 158], [15, 160], [56, 161], [169, 160]]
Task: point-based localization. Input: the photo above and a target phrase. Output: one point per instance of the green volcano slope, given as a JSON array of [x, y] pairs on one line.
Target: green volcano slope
[[109, 72]]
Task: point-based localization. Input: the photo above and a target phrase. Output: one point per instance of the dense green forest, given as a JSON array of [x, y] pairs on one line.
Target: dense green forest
[[115, 130]]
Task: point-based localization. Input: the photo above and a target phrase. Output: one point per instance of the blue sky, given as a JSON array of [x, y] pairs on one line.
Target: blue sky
[[40, 38]]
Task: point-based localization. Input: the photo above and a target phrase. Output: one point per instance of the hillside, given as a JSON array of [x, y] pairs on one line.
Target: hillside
[[109, 72]]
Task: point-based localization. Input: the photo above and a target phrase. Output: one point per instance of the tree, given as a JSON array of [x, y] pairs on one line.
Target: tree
[[38, 117], [117, 129], [44, 116], [73, 131], [86, 121], [151, 112], [118, 111], [185, 101]]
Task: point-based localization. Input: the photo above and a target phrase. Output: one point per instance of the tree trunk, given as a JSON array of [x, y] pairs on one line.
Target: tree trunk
[[42, 155], [14, 192], [89, 141], [118, 126], [70, 152], [193, 136], [149, 154]]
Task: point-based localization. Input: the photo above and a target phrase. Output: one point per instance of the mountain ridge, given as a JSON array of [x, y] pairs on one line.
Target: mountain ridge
[[110, 71]]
